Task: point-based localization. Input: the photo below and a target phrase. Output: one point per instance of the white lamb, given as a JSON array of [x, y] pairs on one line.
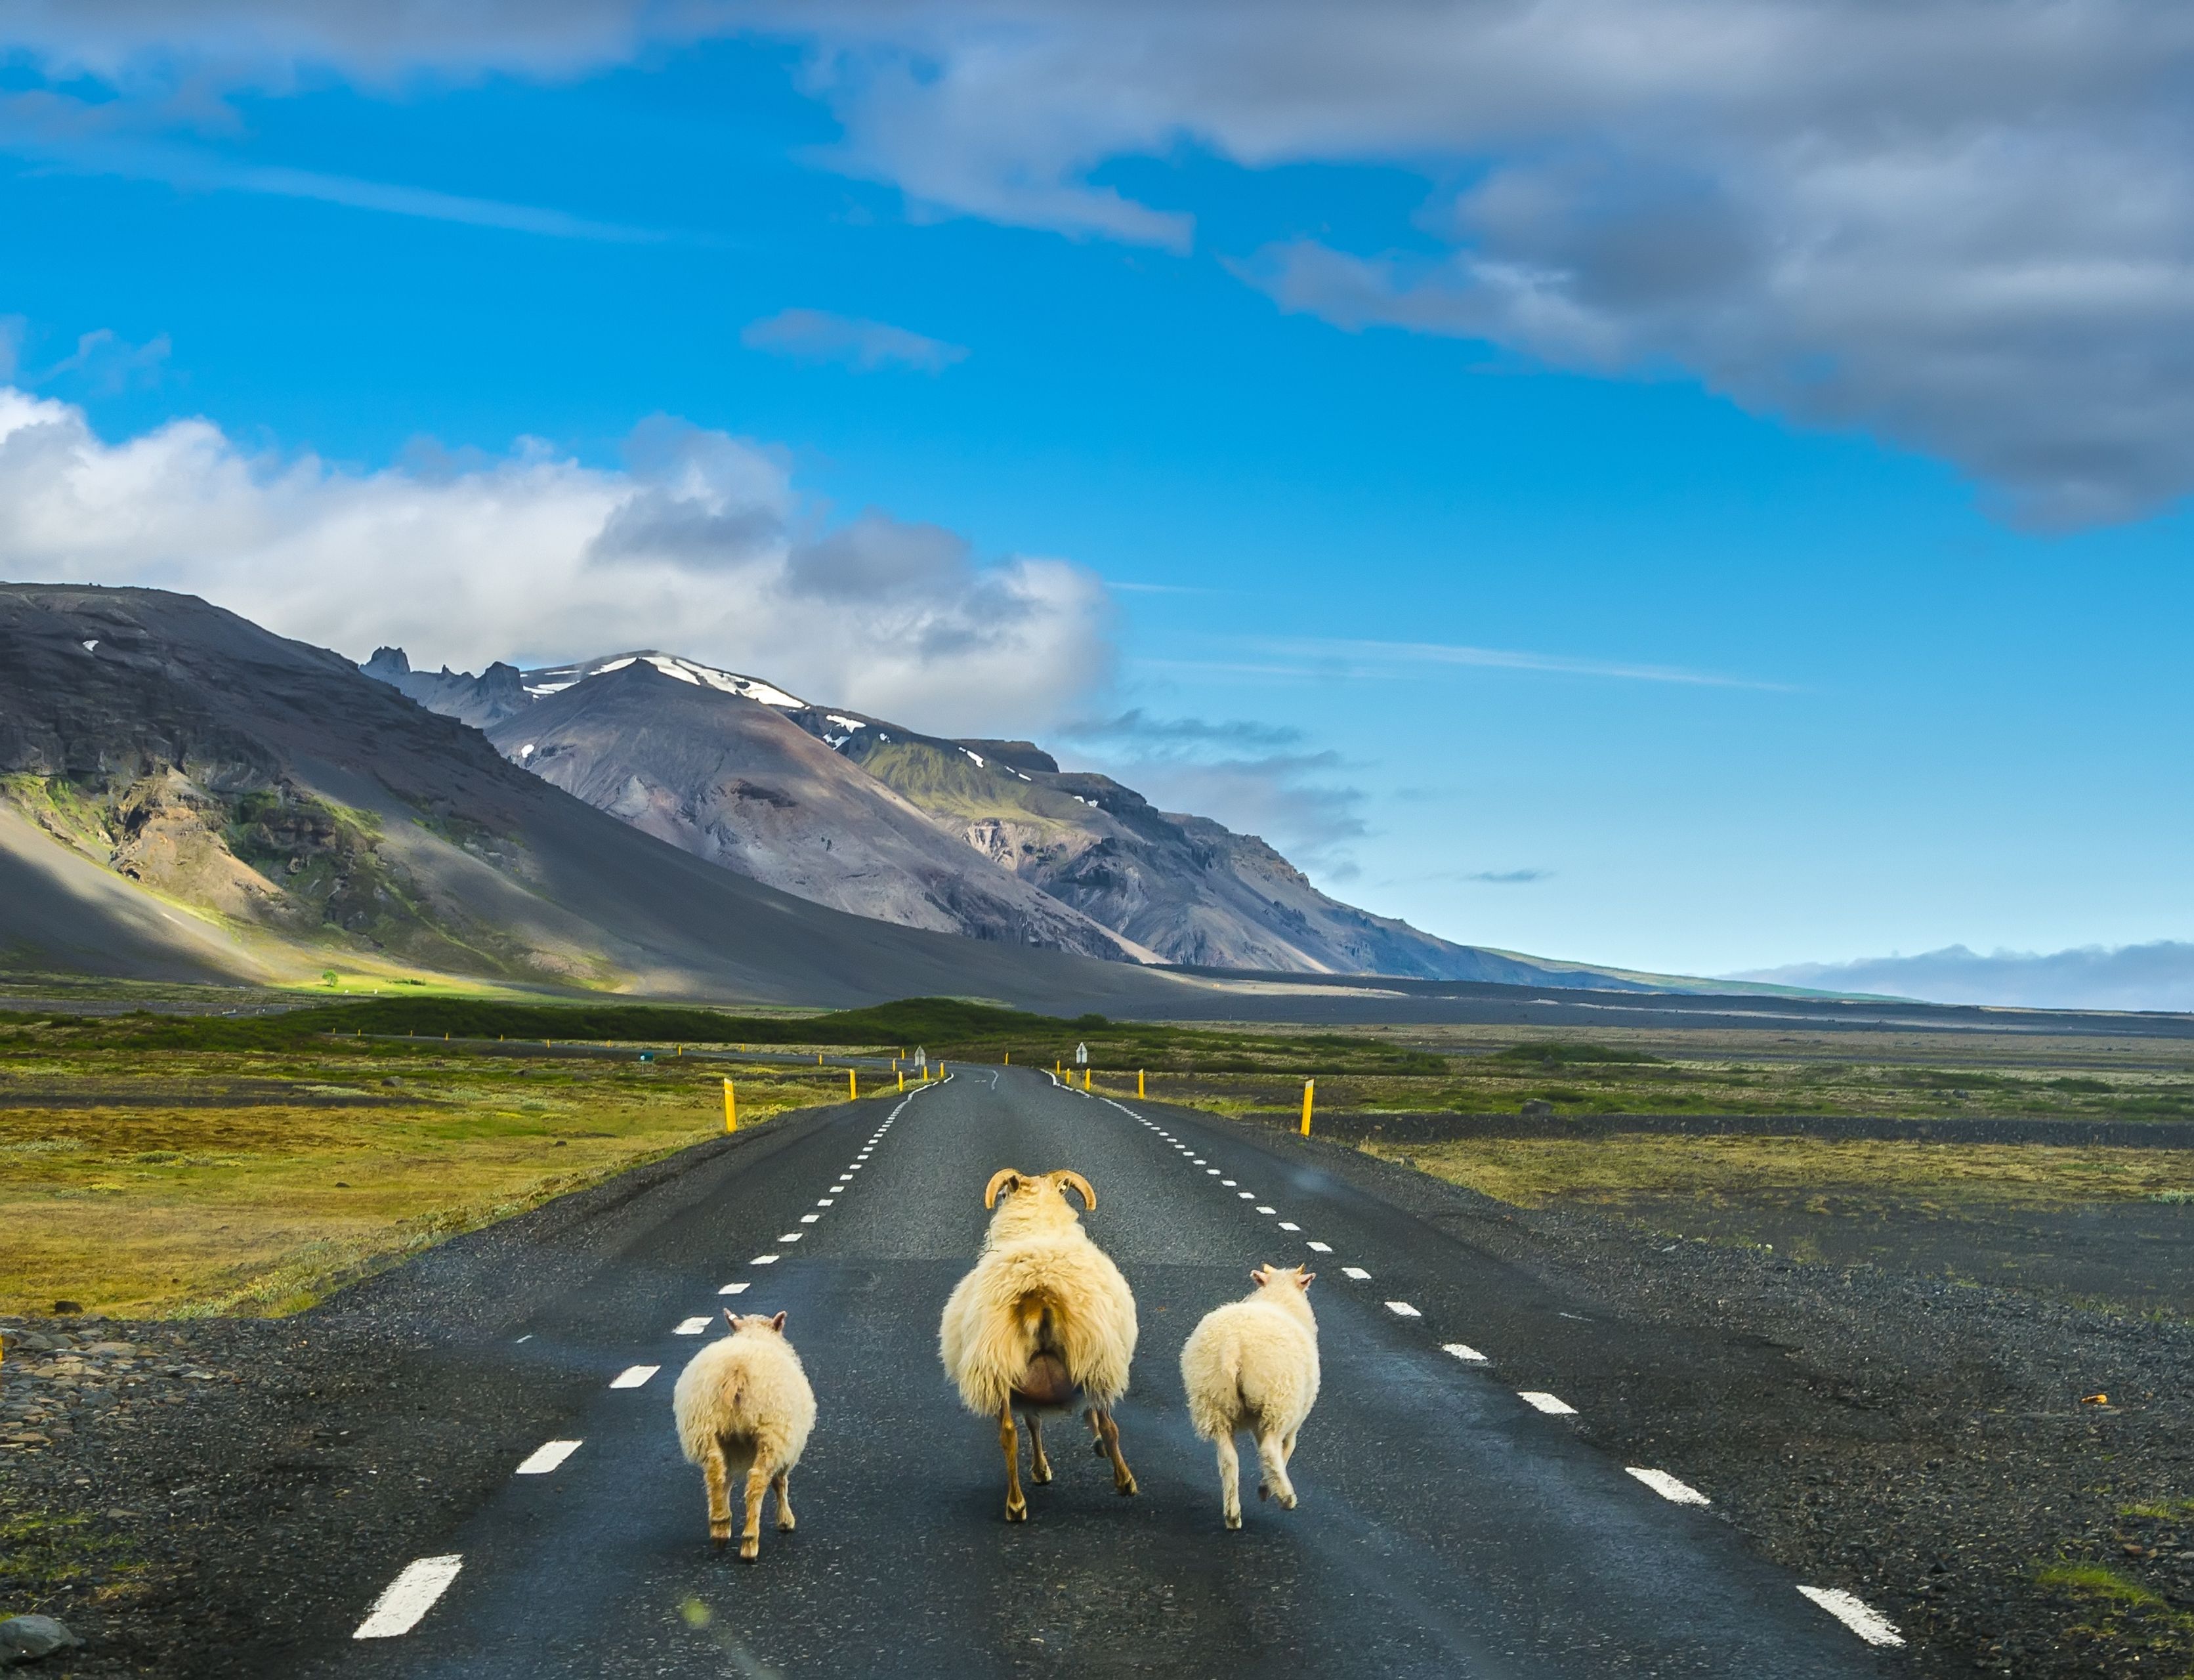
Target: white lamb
[[1253, 1364], [743, 1404], [1044, 1313]]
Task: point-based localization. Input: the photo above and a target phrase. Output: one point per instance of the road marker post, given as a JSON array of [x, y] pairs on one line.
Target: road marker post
[[902, 1082], [819, 1059], [1139, 1083], [1309, 1085], [1009, 1058], [852, 1085], [731, 1107], [1085, 1078]]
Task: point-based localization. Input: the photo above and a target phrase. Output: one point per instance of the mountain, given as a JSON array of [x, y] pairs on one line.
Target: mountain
[[986, 837], [732, 779], [185, 796]]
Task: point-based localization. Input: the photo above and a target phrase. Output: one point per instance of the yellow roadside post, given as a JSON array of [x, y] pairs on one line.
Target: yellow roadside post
[[1138, 1081], [731, 1107], [1086, 1072], [1309, 1085], [852, 1085], [902, 1080], [1009, 1058], [1055, 1067], [819, 1059]]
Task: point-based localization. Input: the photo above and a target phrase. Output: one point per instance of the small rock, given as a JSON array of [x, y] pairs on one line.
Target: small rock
[[120, 1349], [1538, 1110], [28, 1638], [67, 1309]]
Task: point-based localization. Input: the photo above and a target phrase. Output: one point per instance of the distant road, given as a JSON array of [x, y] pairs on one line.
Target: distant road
[[1447, 1527]]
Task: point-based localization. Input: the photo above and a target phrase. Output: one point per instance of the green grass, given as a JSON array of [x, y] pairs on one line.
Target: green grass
[[951, 1027]]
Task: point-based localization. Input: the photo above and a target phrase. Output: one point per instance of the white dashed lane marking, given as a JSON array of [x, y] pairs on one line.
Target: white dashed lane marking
[[809, 1218], [1551, 1405], [790, 1236], [409, 1596], [1286, 1225], [763, 1260], [546, 1457], [691, 1327], [1247, 1196], [1667, 1486], [1355, 1272], [1403, 1310], [1463, 1350], [732, 1289], [1261, 1209], [634, 1375], [1319, 1247], [1854, 1614]]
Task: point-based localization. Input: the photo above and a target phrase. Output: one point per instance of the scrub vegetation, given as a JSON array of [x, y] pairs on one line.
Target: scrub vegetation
[[142, 1184]]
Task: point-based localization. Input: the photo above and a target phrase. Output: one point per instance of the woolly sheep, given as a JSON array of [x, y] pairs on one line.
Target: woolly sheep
[[743, 1404], [1044, 1313], [1253, 1364]]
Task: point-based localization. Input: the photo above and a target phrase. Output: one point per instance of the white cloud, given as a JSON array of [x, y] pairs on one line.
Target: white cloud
[[818, 336], [1966, 227], [2159, 976], [701, 544]]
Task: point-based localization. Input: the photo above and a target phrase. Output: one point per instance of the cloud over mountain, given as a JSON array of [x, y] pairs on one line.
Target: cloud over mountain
[[701, 538], [2155, 976]]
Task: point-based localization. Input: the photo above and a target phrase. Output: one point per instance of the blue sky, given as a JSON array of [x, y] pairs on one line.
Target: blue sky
[[1542, 518]]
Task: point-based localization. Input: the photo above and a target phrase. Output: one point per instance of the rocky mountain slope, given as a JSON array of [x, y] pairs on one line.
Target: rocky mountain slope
[[734, 780], [188, 795], [716, 771]]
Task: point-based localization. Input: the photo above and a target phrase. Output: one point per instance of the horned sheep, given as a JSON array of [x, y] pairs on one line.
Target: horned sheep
[[744, 1405], [1043, 1315], [1252, 1364]]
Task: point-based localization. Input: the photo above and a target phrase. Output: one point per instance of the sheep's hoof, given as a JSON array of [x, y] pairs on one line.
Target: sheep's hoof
[[785, 1525], [1124, 1485], [1040, 1475], [1097, 1447], [1263, 1492], [749, 1551], [1017, 1513], [720, 1541], [1287, 1501], [1234, 1520]]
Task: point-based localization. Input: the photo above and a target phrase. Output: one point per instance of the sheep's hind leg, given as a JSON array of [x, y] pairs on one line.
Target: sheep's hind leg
[[1230, 1481], [719, 1492], [1009, 1444], [1274, 1466], [1124, 1479], [750, 1537], [780, 1485], [1039, 1465], [1096, 1432]]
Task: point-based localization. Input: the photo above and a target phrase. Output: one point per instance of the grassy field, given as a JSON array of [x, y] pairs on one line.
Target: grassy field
[[1485, 1071], [176, 1181]]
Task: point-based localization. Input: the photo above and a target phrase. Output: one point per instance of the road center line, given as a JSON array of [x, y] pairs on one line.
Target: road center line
[[1355, 1272], [1285, 1225], [1261, 1209], [1319, 1247], [732, 1289], [1403, 1310], [1467, 1354], [1854, 1614], [634, 1375], [763, 1260], [691, 1327], [409, 1596], [546, 1457], [1541, 1401]]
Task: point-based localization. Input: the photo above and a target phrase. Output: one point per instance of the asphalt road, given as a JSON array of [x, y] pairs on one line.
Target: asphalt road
[[1446, 1527]]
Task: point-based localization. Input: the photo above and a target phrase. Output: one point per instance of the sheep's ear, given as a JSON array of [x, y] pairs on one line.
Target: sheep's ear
[[1256, 1274], [778, 1322], [1303, 1278], [730, 1318]]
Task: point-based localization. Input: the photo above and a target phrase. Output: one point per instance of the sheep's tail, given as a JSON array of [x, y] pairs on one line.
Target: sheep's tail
[[1214, 1411]]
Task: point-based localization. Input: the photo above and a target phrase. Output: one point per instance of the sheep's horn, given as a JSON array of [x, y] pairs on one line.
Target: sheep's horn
[[1088, 1196], [999, 1179]]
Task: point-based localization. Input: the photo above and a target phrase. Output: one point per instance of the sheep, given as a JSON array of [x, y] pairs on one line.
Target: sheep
[[742, 1403], [1044, 1313], [1253, 1364]]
